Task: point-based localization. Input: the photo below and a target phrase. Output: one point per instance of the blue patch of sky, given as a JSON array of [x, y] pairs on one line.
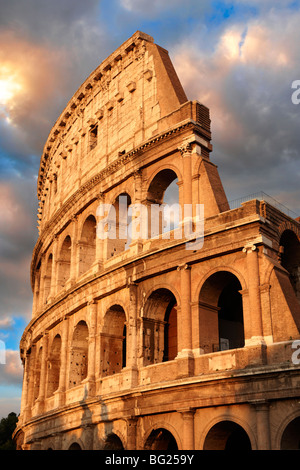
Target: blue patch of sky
[[225, 11], [12, 334]]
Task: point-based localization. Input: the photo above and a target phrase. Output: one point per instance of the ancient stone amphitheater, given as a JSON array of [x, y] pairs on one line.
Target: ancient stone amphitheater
[[169, 339]]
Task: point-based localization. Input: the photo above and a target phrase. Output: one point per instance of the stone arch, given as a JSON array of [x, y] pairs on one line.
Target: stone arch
[[163, 202], [87, 244], [54, 361], [221, 317], [161, 438], [171, 172], [159, 326], [113, 341], [289, 257], [118, 238], [64, 262], [227, 435], [288, 433], [113, 442], [78, 367], [75, 446]]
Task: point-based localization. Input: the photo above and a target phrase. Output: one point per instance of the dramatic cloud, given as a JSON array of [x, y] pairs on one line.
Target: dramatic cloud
[[246, 82], [237, 57]]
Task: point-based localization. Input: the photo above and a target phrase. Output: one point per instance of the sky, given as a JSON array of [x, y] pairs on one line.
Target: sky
[[239, 58]]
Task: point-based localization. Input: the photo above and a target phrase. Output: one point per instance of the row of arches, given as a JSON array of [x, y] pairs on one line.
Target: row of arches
[[221, 324], [75, 256], [224, 435]]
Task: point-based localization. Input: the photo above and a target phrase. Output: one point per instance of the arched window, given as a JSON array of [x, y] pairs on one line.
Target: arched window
[[87, 244], [79, 354], [118, 238], [290, 258], [113, 341], [163, 203], [221, 322], [54, 366], [160, 327], [227, 435], [64, 263], [291, 436]]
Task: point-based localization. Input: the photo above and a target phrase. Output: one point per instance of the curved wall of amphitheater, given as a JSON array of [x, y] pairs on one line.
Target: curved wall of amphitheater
[[162, 340]]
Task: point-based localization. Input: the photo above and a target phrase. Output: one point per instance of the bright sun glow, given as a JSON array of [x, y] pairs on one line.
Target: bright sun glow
[[9, 86]]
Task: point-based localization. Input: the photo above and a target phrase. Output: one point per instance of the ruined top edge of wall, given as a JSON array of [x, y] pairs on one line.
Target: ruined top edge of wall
[[170, 93]]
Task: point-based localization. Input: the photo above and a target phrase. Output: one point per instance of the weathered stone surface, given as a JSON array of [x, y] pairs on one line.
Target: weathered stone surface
[[154, 343]]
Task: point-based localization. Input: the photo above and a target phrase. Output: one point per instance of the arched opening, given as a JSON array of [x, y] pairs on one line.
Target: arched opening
[[170, 332], [290, 258], [64, 263], [54, 366], [163, 201], [227, 435], [113, 442], [113, 341], [160, 327], [221, 322], [118, 236], [87, 245], [47, 278], [79, 354], [161, 439], [291, 436], [75, 446]]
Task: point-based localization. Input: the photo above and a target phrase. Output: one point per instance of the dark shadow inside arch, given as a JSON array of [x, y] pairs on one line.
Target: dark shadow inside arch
[[221, 320], [113, 442], [227, 435], [161, 439], [290, 258], [291, 436], [75, 446]]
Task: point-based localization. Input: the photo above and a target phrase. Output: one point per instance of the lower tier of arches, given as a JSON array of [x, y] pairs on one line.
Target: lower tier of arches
[[256, 425]]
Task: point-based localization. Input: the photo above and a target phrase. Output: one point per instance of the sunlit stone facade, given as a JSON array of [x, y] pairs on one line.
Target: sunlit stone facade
[[156, 342]]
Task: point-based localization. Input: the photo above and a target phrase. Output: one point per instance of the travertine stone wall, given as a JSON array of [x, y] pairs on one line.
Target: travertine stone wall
[[158, 343]]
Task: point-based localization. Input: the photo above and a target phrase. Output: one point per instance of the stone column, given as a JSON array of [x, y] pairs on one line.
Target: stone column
[[99, 241], [188, 440], [92, 315], [185, 315], [74, 268], [42, 282], [186, 153], [44, 370], [63, 361], [254, 293], [131, 433], [53, 286], [132, 327], [263, 425], [28, 384]]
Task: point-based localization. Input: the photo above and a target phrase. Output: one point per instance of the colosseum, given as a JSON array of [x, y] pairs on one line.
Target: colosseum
[[163, 318]]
